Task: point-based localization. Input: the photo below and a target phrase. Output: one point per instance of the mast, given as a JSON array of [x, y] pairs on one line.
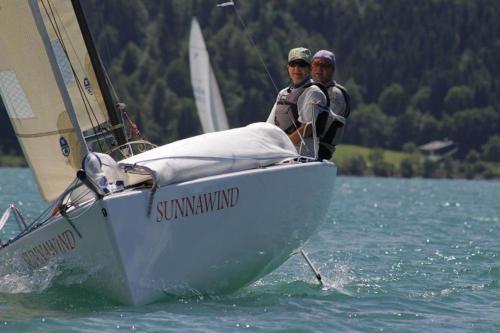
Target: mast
[[116, 124]]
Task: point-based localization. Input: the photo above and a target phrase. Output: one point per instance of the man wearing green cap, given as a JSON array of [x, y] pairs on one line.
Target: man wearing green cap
[[298, 105]]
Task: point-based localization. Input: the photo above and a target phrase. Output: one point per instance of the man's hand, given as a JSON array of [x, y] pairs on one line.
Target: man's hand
[[304, 130]]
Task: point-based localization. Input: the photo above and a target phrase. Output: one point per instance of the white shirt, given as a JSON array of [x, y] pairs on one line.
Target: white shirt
[[309, 105]]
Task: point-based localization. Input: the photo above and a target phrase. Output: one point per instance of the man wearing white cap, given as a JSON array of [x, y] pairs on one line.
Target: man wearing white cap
[[298, 105], [330, 127]]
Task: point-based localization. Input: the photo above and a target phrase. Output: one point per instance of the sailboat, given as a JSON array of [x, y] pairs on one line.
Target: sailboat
[[207, 214], [205, 88]]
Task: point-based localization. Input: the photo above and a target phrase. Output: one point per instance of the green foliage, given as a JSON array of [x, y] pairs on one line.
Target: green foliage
[[355, 165], [376, 156], [415, 126], [491, 150], [472, 157], [379, 166], [416, 71], [357, 160], [458, 98], [392, 100], [409, 147], [441, 53], [355, 92], [471, 128], [12, 161], [421, 99], [407, 168], [370, 126], [345, 152]]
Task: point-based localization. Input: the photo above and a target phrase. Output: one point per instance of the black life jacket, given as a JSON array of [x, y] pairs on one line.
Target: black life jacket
[[286, 114], [329, 129]]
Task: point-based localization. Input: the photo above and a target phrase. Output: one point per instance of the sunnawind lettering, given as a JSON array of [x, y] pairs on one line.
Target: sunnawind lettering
[[40, 254], [168, 210]]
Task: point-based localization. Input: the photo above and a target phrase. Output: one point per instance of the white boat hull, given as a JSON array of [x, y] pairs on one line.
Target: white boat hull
[[211, 235]]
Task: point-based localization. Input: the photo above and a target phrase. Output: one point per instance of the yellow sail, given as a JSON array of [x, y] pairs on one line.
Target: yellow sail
[[47, 86]]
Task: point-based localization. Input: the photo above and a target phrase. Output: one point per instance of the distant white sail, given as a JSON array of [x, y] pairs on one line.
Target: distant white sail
[[47, 86], [224, 4], [205, 89]]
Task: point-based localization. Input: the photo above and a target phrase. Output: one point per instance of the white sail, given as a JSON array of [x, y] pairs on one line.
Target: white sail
[[205, 89], [47, 86]]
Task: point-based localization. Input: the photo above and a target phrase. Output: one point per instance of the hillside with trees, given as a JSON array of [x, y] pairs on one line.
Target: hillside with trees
[[417, 71]]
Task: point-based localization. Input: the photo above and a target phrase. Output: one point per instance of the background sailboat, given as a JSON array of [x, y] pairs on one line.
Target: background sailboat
[[205, 89]]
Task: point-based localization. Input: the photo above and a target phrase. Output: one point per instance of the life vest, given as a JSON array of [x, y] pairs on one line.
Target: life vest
[[286, 114], [344, 92], [329, 126]]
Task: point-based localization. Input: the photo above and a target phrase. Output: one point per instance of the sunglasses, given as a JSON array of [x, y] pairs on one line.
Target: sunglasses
[[298, 63], [321, 63]]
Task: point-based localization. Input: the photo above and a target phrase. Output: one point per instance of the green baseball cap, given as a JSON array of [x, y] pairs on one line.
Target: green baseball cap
[[299, 53]]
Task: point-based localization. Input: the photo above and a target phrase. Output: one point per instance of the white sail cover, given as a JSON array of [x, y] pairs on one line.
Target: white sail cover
[[47, 86], [205, 89], [249, 147]]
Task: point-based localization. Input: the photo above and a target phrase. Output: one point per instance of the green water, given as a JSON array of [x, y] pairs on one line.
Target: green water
[[396, 255]]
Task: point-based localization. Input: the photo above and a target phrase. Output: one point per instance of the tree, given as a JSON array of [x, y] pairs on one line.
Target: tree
[[471, 128], [491, 150], [131, 58], [442, 54], [369, 126], [406, 126], [355, 165], [408, 167], [392, 100], [421, 99], [410, 147], [458, 98], [355, 92], [472, 157]]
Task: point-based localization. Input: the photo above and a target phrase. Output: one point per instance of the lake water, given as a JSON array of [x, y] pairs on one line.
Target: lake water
[[397, 255]]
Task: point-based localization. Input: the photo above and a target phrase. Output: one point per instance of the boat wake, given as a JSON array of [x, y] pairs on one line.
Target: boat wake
[[337, 279], [15, 279], [297, 279]]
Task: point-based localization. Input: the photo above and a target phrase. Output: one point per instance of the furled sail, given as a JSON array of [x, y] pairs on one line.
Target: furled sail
[[205, 89], [48, 87]]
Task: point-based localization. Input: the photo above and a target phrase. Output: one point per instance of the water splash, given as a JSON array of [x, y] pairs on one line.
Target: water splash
[[16, 278]]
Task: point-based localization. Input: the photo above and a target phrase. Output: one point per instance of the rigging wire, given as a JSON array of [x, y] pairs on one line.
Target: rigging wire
[[252, 42], [50, 211], [91, 115], [86, 102], [57, 31]]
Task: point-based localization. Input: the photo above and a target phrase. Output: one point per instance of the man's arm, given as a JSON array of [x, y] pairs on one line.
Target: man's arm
[[311, 103], [304, 130]]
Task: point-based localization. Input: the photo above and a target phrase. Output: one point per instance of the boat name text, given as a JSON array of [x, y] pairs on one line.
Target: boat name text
[[40, 254], [167, 210]]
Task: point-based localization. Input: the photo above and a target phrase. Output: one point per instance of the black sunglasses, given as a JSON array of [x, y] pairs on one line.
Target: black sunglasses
[[298, 63]]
